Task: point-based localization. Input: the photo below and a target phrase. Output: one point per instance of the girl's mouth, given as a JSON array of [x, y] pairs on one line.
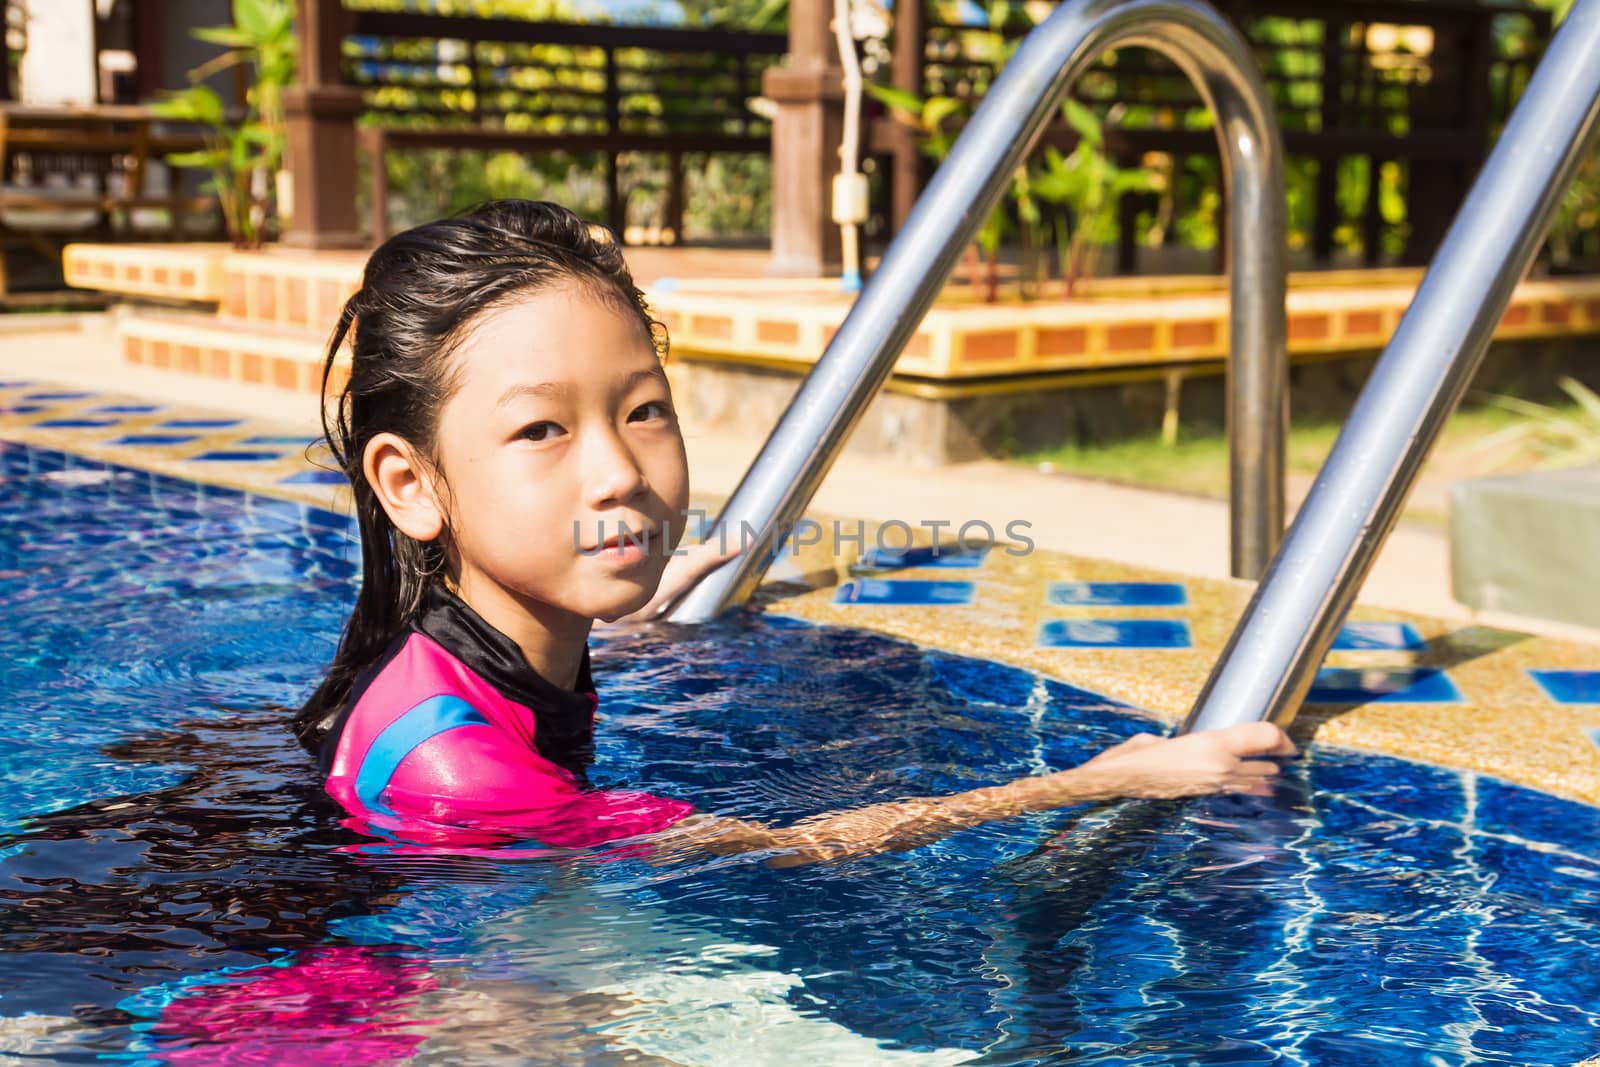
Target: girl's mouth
[[625, 547]]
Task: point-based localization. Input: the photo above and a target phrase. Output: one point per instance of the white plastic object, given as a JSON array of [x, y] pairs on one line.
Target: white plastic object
[[850, 198]]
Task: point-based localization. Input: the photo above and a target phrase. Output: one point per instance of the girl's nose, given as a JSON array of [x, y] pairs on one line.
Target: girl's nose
[[616, 474]]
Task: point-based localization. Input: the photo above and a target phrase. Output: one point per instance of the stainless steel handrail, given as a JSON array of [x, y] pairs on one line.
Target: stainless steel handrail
[[1270, 662], [1031, 88]]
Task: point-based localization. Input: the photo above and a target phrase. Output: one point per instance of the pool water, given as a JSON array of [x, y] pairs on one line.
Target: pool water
[[174, 888]]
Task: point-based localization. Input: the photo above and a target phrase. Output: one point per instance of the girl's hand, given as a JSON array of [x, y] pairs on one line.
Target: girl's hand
[[1213, 761], [683, 571]]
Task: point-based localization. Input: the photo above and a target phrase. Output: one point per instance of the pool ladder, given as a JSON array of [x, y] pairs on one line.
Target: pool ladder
[[1309, 582]]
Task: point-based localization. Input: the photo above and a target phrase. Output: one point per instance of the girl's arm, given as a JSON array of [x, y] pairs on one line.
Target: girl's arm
[[1143, 766]]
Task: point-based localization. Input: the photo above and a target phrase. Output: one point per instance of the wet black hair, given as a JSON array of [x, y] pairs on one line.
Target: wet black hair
[[422, 290]]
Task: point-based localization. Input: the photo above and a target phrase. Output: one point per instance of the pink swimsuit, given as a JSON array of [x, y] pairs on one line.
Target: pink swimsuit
[[452, 739]]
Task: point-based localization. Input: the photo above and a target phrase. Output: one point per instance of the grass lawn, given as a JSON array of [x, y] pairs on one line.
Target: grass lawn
[[1198, 461]]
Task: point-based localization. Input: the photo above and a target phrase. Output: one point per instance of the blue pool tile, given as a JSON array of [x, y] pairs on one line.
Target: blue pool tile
[[1114, 633], [1414, 790], [234, 456], [126, 409], [903, 591], [952, 555], [15, 385], [58, 396], [154, 439], [1519, 812], [1117, 594], [314, 477], [299, 440], [77, 424], [1569, 687], [22, 409], [200, 424], [1410, 685], [1377, 637]]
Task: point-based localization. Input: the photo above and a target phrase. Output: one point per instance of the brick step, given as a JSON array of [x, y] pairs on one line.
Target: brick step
[[276, 286], [190, 272], [296, 290], [226, 348]]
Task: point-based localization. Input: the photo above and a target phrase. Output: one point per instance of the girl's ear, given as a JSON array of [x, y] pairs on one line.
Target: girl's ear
[[403, 484]]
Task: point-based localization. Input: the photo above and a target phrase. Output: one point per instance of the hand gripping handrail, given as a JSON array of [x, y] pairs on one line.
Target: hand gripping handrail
[[1268, 666], [1030, 90]]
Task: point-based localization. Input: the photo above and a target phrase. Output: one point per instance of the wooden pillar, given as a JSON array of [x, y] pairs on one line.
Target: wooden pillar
[[1325, 216], [146, 49], [320, 112], [808, 90], [1435, 189], [905, 73], [616, 207], [675, 196]]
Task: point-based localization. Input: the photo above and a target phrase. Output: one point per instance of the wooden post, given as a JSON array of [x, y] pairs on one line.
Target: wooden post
[[808, 90], [616, 206], [320, 112], [1436, 188], [905, 73], [1325, 215], [675, 196]]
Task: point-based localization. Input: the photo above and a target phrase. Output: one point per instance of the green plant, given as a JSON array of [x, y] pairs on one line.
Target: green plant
[[1577, 217], [1557, 436], [1083, 185], [242, 152], [1087, 185]]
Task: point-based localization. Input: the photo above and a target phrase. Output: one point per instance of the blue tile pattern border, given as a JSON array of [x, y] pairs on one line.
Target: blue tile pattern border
[[290, 440], [314, 477], [233, 456], [1407, 685], [1115, 633], [78, 424], [1117, 594], [148, 439], [58, 396], [23, 409], [200, 424], [1569, 687], [1378, 637], [952, 555], [904, 592], [125, 409]]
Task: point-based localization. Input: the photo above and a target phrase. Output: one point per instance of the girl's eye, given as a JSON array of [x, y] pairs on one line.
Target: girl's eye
[[541, 431], [655, 409]]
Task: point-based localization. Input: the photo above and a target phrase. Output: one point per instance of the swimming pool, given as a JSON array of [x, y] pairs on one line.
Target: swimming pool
[[174, 888]]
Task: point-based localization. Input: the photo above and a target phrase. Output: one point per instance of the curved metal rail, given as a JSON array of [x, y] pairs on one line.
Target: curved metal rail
[[1272, 658], [780, 483]]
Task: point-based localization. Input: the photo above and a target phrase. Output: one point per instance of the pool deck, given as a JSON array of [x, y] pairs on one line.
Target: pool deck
[[1125, 593]]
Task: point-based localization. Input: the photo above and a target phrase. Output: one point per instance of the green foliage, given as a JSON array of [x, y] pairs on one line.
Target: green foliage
[[242, 153], [1558, 436], [1066, 202], [1088, 186], [557, 88], [1577, 218]]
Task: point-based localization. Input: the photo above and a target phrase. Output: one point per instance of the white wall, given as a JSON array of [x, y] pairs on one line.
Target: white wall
[[58, 65]]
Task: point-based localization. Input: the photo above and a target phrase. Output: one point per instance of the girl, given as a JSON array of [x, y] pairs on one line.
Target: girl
[[518, 473]]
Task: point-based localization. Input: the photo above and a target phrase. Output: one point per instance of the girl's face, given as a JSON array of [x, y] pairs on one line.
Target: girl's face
[[560, 437]]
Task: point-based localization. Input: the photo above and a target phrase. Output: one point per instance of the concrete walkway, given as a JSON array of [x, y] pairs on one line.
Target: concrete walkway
[[1165, 531]]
